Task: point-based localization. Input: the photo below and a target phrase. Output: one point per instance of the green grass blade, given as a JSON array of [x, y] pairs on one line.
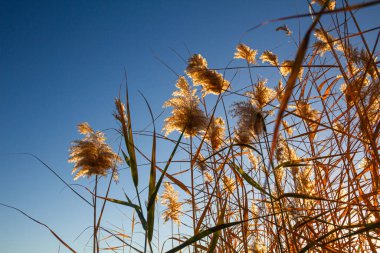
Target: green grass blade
[[130, 204], [152, 177], [250, 180], [154, 194], [216, 235], [202, 234]]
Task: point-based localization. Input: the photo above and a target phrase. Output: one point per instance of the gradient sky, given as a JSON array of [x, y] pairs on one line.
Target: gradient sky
[[62, 63]]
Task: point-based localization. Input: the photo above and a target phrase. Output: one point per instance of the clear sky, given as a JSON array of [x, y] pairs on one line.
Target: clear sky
[[62, 62]]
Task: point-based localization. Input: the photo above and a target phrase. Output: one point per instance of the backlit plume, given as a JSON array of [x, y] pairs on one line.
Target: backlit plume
[[271, 58], [211, 81], [322, 45], [250, 121], [91, 155], [286, 68], [186, 113], [306, 111], [310, 115], [245, 52], [261, 94], [330, 5], [169, 198], [216, 133]]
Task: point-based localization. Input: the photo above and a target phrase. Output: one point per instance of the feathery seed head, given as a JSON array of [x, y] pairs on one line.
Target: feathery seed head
[[330, 5], [271, 58], [216, 133], [211, 81], [286, 68], [169, 198], [261, 94], [91, 155], [186, 113], [288, 129], [250, 121], [245, 52]]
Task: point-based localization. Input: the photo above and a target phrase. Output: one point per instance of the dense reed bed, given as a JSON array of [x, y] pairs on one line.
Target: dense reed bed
[[285, 167]]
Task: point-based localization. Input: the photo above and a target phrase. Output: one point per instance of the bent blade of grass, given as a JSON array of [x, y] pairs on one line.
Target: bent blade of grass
[[203, 234], [125, 120], [130, 204], [152, 176], [59, 177], [216, 235], [158, 185], [42, 224], [290, 84], [131, 145], [250, 180], [366, 227]]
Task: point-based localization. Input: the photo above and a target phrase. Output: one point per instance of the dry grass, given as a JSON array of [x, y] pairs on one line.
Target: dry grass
[[296, 171]]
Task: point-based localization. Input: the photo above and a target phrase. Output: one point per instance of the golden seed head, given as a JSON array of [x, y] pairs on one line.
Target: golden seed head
[[91, 155], [261, 94], [305, 110], [330, 5], [229, 185], [286, 68], [271, 58], [216, 133], [250, 121], [208, 177], [211, 81], [245, 52], [186, 113], [288, 129], [169, 198]]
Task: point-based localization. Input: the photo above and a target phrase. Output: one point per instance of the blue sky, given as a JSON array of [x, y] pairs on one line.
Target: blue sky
[[62, 63]]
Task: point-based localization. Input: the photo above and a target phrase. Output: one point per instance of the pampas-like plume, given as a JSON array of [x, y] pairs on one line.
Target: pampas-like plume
[[330, 5], [211, 81], [286, 68], [91, 155], [322, 45], [250, 121], [169, 198], [261, 94], [305, 110], [285, 153], [288, 129], [186, 114], [245, 52], [229, 185], [271, 58], [216, 133]]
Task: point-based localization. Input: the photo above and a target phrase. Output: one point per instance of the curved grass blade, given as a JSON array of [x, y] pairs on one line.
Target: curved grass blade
[[130, 204], [216, 235], [42, 224], [290, 84], [202, 234], [153, 197], [152, 177], [250, 180]]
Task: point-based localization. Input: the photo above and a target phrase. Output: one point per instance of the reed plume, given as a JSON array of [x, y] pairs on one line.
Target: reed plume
[[250, 122], [186, 114], [91, 155], [245, 52], [261, 94], [169, 199], [271, 58], [211, 81], [216, 133]]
